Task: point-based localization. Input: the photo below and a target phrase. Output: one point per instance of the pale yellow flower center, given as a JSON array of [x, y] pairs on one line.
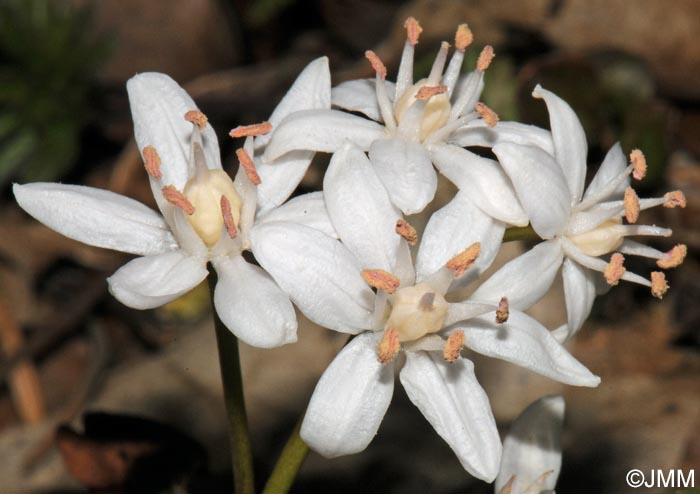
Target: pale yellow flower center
[[417, 311], [436, 112], [204, 191], [601, 240]]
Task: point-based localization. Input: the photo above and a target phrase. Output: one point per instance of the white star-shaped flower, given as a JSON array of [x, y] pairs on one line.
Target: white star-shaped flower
[[205, 216], [579, 227], [411, 125], [408, 312]]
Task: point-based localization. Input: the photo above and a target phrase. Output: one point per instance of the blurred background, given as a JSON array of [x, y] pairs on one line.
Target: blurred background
[[631, 70]]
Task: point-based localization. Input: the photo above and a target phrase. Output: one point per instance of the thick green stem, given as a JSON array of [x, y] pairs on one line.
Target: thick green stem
[[520, 233], [288, 464], [230, 363]]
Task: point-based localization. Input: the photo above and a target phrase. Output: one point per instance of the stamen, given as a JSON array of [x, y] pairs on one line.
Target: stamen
[[673, 258], [377, 64], [251, 130], [631, 203], [487, 114], [485, 58], [674, 199], [177, 199], [659, 286], [427, 92], [639, 163], [463, 37], [614, 271], [197, 117], [464, 260], [406, 231], [229, 223], [151, 161], [388, 346], [453, 346], [413, 30], [426, 302], [380, 279], [248, 165], [503, 311]]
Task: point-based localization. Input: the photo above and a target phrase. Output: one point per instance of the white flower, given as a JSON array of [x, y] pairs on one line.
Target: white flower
[[532, 449], [329, 283], [412, 126], [206, 217], [549, 181]]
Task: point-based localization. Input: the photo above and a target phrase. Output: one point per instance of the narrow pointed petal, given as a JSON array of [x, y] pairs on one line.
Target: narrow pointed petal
[[311, 90], [533, 446], [251, 305], [483, 180], [158, 107], [525, 279], [360, 209], [319, 274], [405, 169], [525, 342], [478, 133], [321, 130], [570, 146], [451, 399], [613, 165], [452, 229], [360, 95], [539, 184], [151, 281], [350, 400], [96, 217], [579, 292], [307, 209], [281, 177]]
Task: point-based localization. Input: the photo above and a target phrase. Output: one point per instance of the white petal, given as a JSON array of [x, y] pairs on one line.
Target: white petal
[[452, 229], [158, 107], [319, 274], [360, 209], [454, 403], [251, 304], [570, 146], [96, 217], [321, 130], [311, 90], [306, 209], [482, 179], [539, 184], [478, 133], [525, 279], [360, 95], [405, 169], [151, 281], [280, 178], [525, 342], [613, 165], [349, 401], [579, 292], [533, 446]]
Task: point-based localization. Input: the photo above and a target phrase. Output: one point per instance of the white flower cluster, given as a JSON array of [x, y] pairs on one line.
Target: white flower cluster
[[344, 256]]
